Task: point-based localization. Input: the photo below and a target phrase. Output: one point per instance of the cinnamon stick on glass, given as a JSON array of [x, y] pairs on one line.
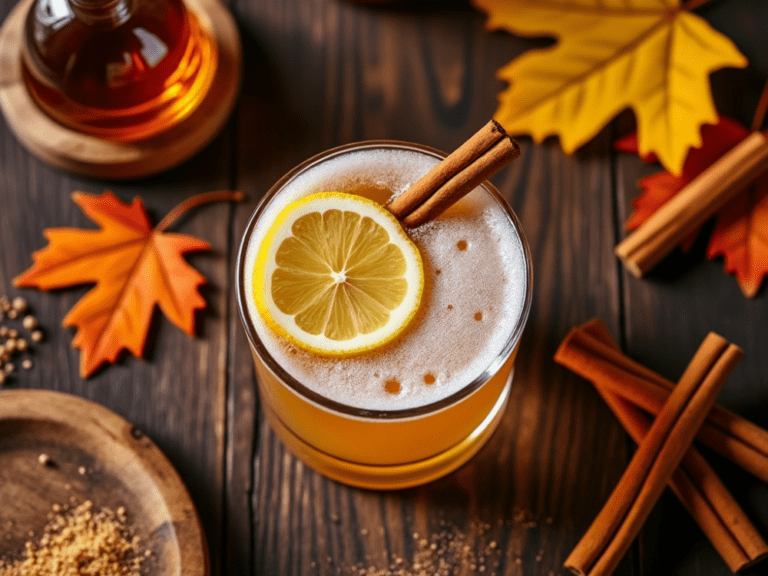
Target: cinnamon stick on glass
[[479, 158], [695, 483], [734, 437], [658, 455]]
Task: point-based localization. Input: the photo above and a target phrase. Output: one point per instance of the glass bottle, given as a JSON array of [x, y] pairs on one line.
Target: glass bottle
[[119, 69]]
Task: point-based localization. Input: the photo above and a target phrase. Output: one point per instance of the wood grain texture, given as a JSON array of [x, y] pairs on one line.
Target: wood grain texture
[[320, 73], [411, 79], [92, 455], [177, 395], [684, 297]]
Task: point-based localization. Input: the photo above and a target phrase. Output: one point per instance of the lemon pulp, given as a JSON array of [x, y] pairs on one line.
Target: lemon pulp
[[337, 275]]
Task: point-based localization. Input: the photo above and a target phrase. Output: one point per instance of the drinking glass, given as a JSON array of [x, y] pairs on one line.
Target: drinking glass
[[373, 447]]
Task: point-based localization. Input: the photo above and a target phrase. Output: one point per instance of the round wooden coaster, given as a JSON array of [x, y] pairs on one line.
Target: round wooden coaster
[[89, 453], [92, 156]]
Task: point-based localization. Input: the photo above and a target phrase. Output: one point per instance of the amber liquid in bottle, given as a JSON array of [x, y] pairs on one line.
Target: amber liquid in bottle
[[119, 69]]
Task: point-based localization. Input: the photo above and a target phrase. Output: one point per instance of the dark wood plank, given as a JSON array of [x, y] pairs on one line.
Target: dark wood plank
[[177, 395], [330, 73], [321, 73], [91, 454], [668, 314]]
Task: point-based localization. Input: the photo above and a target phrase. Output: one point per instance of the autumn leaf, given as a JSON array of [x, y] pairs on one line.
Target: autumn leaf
[[135, 267], [649, 55], [741, 230], [741, 236]]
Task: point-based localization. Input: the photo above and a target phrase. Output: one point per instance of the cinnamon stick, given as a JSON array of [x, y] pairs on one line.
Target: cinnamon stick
[[730, 435], [658, 455], [694, 204], [468, 166], [695, 484]]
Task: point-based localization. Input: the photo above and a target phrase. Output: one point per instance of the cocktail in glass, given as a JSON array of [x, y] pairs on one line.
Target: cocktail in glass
[[423, 404]]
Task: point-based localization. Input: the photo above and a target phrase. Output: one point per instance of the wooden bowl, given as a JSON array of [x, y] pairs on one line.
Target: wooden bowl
[[94, 455]]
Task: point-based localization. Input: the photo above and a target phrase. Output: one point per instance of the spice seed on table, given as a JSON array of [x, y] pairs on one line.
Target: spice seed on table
[[11, 342]]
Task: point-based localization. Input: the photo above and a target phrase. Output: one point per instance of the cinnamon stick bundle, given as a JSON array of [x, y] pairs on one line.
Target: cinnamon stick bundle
[[468, 166], [695, 484], [658, 455], [694, 204], [730, 435]]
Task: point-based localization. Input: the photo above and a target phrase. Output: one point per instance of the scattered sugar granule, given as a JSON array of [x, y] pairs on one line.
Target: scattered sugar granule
[[81, 542]]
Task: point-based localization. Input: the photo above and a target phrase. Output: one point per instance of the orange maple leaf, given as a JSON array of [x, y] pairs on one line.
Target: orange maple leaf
[[741, 230], [134, 266]]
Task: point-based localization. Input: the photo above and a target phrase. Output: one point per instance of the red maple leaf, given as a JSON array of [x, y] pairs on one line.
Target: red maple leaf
[[741, 231], [741, 236]]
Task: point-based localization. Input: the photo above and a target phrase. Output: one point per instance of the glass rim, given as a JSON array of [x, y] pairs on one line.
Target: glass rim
[[295, 385]]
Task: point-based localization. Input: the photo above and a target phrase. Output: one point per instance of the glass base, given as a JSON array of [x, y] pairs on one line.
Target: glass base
[[395, 476]]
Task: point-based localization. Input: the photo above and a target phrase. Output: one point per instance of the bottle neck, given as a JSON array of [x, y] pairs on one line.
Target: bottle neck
[[102, 12]]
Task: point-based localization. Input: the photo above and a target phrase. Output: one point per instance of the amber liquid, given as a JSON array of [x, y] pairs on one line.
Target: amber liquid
[[123, 71], [342, 425], [384, 454]]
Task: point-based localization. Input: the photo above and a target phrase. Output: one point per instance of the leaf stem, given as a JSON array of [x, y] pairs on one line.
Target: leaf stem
[[762, 107], [195, 201], [693, 4]]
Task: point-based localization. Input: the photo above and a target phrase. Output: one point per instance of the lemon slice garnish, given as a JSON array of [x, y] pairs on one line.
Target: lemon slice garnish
[[337, 275]]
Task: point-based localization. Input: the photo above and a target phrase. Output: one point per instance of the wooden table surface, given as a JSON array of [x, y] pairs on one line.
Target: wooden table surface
[[320, 73]]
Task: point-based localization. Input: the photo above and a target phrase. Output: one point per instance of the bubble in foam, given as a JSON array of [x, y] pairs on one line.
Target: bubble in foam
[[445, 339], [392, 386]]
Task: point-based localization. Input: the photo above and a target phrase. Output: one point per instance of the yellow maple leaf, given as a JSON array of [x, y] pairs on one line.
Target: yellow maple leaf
[[649, 55]]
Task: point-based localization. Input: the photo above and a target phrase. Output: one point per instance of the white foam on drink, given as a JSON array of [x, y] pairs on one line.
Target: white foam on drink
[[446, 340]]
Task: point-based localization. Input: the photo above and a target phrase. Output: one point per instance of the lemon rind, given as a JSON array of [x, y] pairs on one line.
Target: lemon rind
[[285, 326]]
